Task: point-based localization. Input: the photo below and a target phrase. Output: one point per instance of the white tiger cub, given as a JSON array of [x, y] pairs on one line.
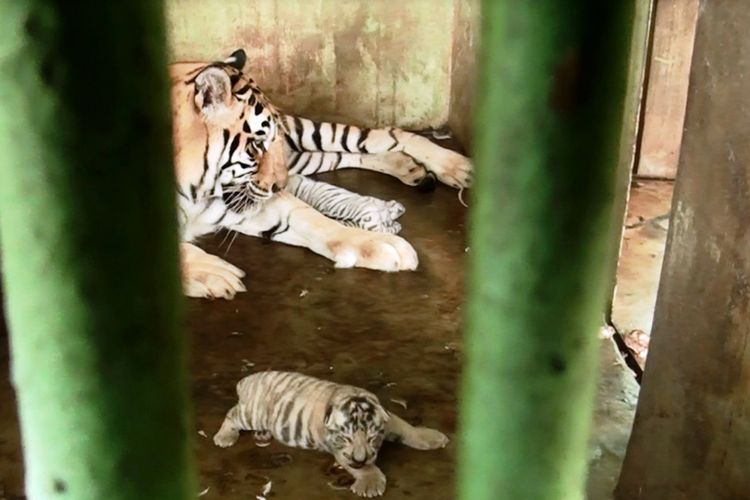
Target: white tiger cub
[[314, 414], [350, 209]]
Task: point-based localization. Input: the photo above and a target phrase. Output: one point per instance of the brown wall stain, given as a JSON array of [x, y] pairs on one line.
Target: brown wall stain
[[364, 62]]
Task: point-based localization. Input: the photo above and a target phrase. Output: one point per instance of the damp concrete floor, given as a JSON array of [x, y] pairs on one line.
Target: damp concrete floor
[[398, 335]]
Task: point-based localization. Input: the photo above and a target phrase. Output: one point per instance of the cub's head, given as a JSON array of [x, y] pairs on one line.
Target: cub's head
[[241, 125], [355, 428]]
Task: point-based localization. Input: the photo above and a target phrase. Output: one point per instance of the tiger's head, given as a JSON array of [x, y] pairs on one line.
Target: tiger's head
[[355, 428], [238, 126]]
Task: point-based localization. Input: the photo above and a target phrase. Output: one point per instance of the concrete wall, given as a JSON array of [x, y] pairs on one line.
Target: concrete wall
[[362, 61], [691, 438], [464, 69]]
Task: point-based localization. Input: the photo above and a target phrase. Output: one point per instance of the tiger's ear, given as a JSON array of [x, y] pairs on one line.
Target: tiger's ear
[[213, 89], [383, 413], [379, 409], [237, 60]]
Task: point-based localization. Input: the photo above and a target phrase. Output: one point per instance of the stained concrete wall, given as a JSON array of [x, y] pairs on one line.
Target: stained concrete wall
[[466, 28], [370, 62], [691, 439]]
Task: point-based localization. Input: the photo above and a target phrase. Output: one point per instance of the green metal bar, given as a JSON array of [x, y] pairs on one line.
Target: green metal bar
[[89, 250], [552, 83]]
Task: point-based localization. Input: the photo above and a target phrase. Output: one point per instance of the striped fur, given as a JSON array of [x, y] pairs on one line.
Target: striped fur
[[306, 412], [234, 151], [348, 208]]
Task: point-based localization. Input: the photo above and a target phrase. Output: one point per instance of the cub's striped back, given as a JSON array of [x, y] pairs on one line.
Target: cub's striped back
[[291, 406], [305, 412], [350, 209]]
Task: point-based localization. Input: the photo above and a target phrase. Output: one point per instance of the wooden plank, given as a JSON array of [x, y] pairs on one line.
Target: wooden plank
[[674, 36], [632, 113]]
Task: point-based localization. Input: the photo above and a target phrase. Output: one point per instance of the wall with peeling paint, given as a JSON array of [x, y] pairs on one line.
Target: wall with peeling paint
[[368, 62]]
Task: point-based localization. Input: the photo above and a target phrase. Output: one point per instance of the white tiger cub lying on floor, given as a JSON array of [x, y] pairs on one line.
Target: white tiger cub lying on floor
[[314, 414], [234, 151]]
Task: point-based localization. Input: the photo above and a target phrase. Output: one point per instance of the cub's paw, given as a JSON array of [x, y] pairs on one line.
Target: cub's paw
[[370, 485], [395, 209], [353, 247], [226, 437], [429, 439], [208, 276], [262, 438], [383, 218]]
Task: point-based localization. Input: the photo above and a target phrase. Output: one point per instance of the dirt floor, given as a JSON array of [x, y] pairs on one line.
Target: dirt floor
[[638, 275], [644, 239], [395, 334], [355, 326]]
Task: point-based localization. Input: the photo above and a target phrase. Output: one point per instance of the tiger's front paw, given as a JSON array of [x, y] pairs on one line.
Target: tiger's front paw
[[370, 485], [207, 276], [352, 247], [429, 439], [449, 167], [453, 169]]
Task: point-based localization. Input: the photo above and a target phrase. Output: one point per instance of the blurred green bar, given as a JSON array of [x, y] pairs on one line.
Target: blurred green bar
[[549, 114], [89, 250]]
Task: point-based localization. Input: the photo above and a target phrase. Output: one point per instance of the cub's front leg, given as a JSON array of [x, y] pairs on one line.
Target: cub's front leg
[[419, 438], [369, 481], [289, 220]]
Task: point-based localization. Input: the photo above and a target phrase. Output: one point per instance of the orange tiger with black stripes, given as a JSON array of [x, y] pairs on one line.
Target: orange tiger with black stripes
[[235, 153]]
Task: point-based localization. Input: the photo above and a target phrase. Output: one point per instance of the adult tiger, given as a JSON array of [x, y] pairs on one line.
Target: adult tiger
[[234, 151], [306, 412]]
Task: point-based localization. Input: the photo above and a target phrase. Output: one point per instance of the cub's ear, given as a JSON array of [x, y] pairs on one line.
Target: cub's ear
[[213, 89], [384, 415], [237, 60]]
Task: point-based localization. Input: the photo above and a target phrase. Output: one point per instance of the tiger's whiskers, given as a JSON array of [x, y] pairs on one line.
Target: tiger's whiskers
[[231, 242]]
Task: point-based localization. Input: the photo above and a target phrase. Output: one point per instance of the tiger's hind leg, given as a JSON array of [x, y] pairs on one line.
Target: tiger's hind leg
[[419, 438], [230, 429], [351, 209], [398, 165], [449, 167]]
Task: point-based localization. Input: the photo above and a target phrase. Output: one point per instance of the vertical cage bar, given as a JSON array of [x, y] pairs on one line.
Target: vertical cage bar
[[89, 250], [552, 84]]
